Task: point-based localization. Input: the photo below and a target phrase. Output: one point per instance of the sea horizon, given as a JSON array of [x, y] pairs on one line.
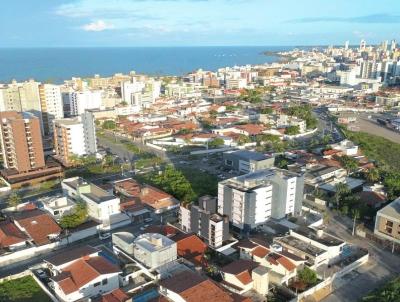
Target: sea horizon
[[56, 64]]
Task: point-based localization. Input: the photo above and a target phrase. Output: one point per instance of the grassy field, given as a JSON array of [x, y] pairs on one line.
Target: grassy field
[[24, 289], [385, 152]]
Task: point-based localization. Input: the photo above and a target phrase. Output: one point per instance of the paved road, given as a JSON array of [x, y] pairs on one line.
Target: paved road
[[382, 266], [93, 241], [371, 126]]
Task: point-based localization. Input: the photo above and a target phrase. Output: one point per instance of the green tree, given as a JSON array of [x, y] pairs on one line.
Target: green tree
[[308, 276], [243, 139], [388, 293], [349, 163], [372, 175], [216, 142], [174, 182], [109, 125], [292, 130], [281, 162], [326, 139], [342, 190], [267, 110], [77, 217], [14, 199]]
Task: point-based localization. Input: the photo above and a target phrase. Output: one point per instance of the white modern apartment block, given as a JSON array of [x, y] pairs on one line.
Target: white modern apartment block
[[101, 205], [251, 200], [154, 250], [51, 105], [72, 137], [129, 89], [79, 101]]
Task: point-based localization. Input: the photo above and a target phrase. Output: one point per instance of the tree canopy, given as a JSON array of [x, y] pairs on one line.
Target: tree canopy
[[304, 112], [292, 130], [308, 276], [14, 199], [77, 217], [109, 125]]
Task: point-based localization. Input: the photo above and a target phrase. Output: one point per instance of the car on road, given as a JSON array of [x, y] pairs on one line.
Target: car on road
[[103, 235], [41, 274]]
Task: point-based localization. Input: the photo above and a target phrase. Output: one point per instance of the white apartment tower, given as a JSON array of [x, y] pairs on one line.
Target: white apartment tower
[[79, 101], [71, 138], [252, 199], [51, 106]]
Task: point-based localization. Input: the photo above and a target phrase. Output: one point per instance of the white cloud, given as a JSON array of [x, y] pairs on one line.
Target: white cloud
[[98, 25]]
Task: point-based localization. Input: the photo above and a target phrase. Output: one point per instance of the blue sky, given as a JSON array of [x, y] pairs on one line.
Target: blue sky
[[58, 23]]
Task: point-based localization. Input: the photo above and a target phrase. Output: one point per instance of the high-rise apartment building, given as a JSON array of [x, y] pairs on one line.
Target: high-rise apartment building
[[51, 106], [21, 141], [71, 138], [203, 220], [251, 200], [20, 97], [79, 101]]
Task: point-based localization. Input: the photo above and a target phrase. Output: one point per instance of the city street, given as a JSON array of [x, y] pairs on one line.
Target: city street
[[92, 241]]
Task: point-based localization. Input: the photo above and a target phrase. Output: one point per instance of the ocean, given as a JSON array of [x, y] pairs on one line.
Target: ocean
[[58, 64]]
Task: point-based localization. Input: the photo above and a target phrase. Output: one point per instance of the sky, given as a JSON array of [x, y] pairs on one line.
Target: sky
[[110, 23]]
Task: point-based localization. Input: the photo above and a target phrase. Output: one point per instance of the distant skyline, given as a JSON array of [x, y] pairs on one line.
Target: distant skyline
[[108, 23]]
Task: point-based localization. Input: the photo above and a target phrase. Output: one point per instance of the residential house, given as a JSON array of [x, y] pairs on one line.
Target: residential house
[[387, 222], [102, 206], [154, 250], [188, 286], [84, 278], [57, 206], [247, 161], [38, 225], [156, 200], [241, 276], [11, 237]]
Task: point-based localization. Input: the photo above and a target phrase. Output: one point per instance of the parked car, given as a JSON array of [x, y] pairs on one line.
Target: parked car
[[41, 274], [103, 235]]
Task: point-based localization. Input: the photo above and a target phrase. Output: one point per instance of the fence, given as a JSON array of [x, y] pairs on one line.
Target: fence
[[327, 282], [36, 251]]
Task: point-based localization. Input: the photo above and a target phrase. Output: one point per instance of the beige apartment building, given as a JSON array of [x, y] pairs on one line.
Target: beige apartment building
[[51, 106], [21, 141], [387, 222]]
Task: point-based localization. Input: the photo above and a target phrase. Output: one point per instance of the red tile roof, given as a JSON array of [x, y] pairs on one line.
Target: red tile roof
[[115, 296], [260, 251], [38, 224], [193, 287], [277, 259], [10, 234], [83, 271], [251, 129], [244, 277], [191, 248]]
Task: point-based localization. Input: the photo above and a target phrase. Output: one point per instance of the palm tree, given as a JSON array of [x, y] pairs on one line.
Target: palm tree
[[373, 175], [341, 190]]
